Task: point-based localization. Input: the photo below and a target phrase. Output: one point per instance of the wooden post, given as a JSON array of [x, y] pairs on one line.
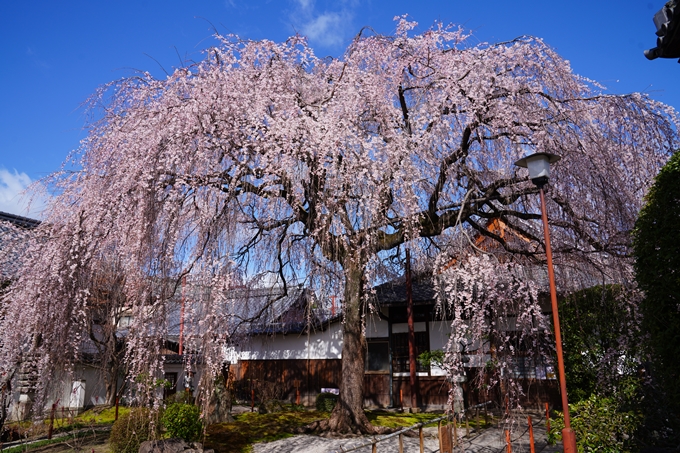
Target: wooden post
[[531, 436], [547, 417], [252, 400], [507, 441], [422, 440], [450, 434], [401, 397], [467, 427], [413, 375], [445, 443], [401, 443], [117, 403], [439, 435], [486, 415], [181, 318], [51, 428], [455, 432], [479, 426], [374, 448]]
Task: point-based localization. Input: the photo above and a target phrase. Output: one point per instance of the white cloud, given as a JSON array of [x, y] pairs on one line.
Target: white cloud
[[305, 5], [330, 28], [13, 198]]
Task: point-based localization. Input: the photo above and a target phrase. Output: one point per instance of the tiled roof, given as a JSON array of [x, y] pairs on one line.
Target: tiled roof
[[19, 221], [394, 293], [252, 311], [14, 231]]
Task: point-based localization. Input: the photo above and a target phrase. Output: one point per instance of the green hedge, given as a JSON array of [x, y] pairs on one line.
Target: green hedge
[[183, 421]]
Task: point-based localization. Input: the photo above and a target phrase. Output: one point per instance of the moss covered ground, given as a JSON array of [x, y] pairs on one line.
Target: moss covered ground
[[237, 437]]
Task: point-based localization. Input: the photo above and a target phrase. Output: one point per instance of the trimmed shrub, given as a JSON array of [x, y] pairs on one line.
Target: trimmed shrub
[[183, 421], [600, 425], [130, 430], [325, 402]]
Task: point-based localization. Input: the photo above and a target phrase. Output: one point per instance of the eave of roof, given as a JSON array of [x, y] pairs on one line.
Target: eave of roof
[[17, 220]]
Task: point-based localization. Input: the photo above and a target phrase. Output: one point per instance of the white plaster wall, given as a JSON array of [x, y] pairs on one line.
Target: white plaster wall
[[439, 334], [316, 345], [60, 393], [439, 337], [403, 327], [179, 368], [377, 327], [95, 389]]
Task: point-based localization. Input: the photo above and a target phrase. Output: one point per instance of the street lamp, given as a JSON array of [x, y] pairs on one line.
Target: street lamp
[[538, 165]]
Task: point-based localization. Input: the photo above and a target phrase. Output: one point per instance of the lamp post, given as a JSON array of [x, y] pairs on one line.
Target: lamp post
[[538, 165]]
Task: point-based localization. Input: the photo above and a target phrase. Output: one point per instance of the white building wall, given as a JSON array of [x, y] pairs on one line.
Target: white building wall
[[91, 391], [402, 327], [325, 344], [91, 385], [440, 331], [377, 327]]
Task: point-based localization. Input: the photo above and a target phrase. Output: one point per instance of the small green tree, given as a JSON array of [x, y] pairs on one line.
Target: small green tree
[[429, 358]]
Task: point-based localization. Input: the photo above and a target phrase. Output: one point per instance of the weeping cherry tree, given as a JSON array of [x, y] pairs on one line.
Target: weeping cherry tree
[[263, 157]]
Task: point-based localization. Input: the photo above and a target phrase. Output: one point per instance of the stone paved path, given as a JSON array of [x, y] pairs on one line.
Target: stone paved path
[[491, 440]]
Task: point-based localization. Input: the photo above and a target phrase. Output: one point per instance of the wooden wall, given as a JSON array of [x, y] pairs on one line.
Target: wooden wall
[[314, 375]]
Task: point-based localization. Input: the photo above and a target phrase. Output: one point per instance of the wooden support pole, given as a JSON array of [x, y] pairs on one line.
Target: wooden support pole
[[445, 441], [401, 443], [439, 435], [467, 427], [181, 318], [451, 438], [422, 440], [507, 441], [374, 448], [547, 417], [413, 375], [531, 436]]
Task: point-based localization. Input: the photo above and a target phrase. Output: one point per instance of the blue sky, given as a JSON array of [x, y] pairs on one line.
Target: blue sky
[[54, 54]]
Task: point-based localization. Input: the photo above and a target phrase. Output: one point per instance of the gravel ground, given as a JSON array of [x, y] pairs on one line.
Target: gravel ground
[[491, 440]]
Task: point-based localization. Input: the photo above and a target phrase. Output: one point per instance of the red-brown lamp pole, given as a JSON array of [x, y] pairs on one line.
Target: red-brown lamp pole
[[539, 171]]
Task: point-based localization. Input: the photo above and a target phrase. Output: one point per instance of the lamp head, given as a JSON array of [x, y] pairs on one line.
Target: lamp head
[[538, 165]]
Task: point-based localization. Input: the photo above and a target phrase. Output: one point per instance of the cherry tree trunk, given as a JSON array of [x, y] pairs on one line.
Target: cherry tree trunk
[[348, 415], [111, 384]]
